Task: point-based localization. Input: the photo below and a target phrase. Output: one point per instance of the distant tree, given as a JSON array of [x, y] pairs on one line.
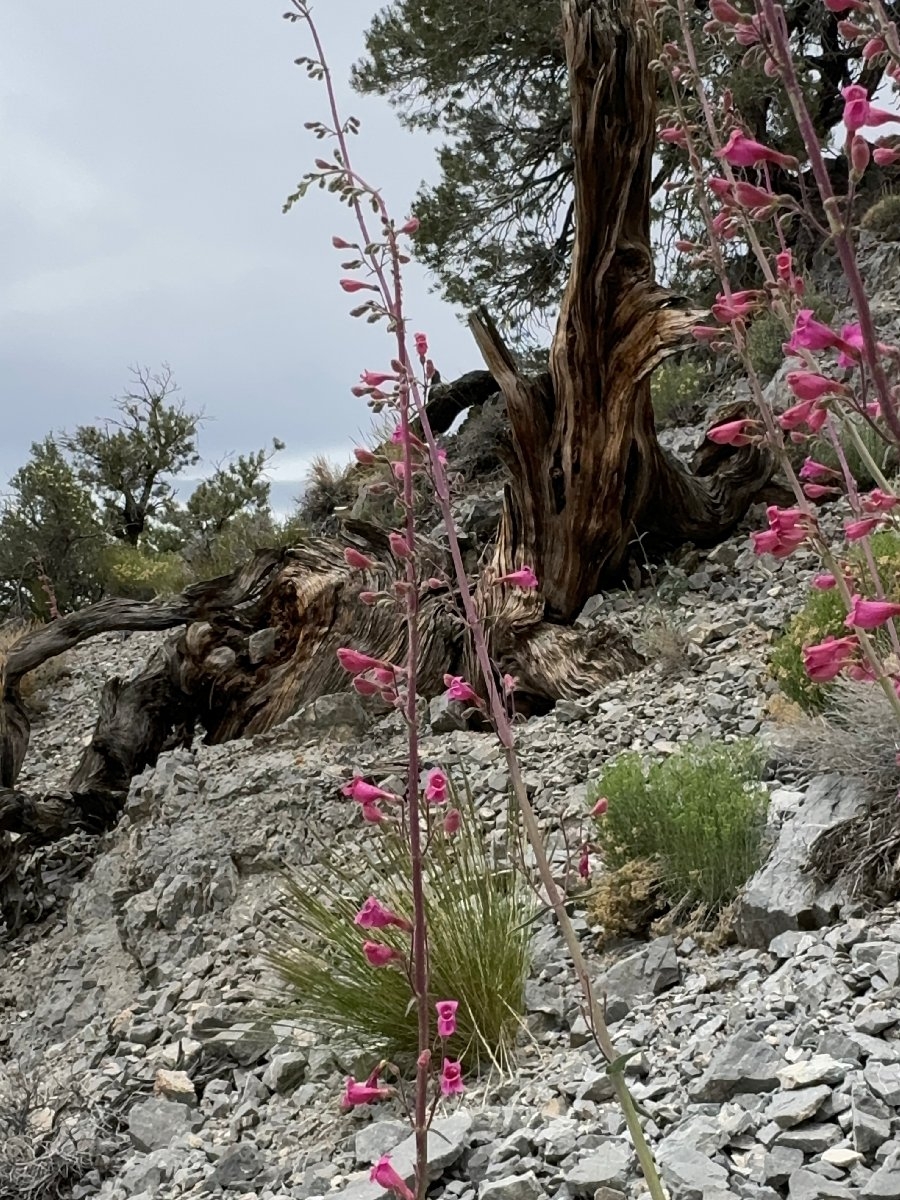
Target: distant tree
[[129, 462], [497, 227], [51, 537]]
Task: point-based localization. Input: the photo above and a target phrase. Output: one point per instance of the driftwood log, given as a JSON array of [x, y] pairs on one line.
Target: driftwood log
[[588, 483]]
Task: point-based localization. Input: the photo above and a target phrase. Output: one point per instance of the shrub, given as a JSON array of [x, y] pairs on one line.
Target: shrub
[[677, 389], [140, 573], [764, 341], [327, 487], [883, 218], [479, 912], [699, 815], [823, 615], [883, 453]]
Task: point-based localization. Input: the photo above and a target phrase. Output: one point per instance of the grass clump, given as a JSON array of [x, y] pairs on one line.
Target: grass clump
[[883, 218], [479, 913], [677, 389], [698, 816]]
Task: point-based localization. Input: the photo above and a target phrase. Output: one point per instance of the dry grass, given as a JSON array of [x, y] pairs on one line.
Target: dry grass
[[627, 901], [41, 678]]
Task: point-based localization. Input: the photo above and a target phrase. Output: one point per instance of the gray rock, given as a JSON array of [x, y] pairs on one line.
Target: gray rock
[[782, 895], [647, 973], [808, 1185], [742, 1064], [780, 1163], [238, 1165], [608, 1166], [154, 1124], [793, 1108], [381, 1137], [285, 1072], [689, 1174], [261, 644], [871, 1124], [821, 1068], [813, 1138], [885, 1183], [446, 1141], [512, 1187], [884, 1080], [341, 712], [446, 715]]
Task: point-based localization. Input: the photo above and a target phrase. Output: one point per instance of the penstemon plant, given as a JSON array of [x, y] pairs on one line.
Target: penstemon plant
[[403, 389], [841, 379]]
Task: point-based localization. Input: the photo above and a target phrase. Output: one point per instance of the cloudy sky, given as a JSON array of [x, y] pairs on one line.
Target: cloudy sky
[[147, 151]]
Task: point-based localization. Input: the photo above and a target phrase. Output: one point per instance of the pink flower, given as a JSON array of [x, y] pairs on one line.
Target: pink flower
[[730, 434], [385, 1176], [673, 134], [359, 562], [364, 456], [523, 578], [810, 334], [399, 545], [362, 1093], [860, 155], [452, 821], [749, 196], [807, 385], [355, 662], [510, 683], [366, 793], [458, 689], [826, 660], [374, 915], [870, 614], [725, 12], [784, 265], [372, 813], [824, 582], [354, 285], [818, 491], [365, 687], [786, 532], [421, 344], [376, 378], [841, 6], [600, 807], [340, 244], [410, 226], [742, 151], [735, 306], [446, 1011], [812, 470], [451, 1078], [436, 787], [885, 157], [798, 414], [879, 501], [855, 530], [852, 339], [858, 112], [379, 955], [584, 864], [720, 188]]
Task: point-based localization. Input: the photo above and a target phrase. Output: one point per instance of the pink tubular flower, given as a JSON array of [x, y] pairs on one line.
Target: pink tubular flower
[[810, 334], [399, 545], [584, 863], [361, 685], [458, 689], [354, 285], [741, 151], [813, 471], [879, 501], [735, 306], [366, 793], [673, 134], [725, 12], [854, 530], [374, 915], [452, 821], [797, 414], [852, 344], [376, 378], [436, 787], [409, 226], [732, 433], [826, 660], [600, 807], [842, 6], [785, 533], [339, 243], [885, 157], [755, 198], [858, 112], [384, 1174], [720, 188], [824, 583], [807, 385], [870, 614], [359, 562], [364, 456], [362, 1093], [355, 662], [446, 1012], [372, 814], [421, 344], [379, 955], [451, 1078], [818, 491], [523, 578]]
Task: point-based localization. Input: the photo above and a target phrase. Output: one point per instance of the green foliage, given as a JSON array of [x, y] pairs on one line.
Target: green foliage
[[245, 532], [497, 227], [128, 462], [884, 454], [822, 616], [49, 528], [141, 573], [479, 912], [883, 218], [765, 339], [678, 388], [698, 815]]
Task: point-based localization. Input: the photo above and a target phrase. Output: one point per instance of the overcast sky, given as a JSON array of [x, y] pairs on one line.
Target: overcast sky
[[147, 150]]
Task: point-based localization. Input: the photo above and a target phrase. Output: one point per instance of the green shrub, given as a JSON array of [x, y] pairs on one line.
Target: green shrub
[[698, 815], [140, 573], [677, 388], [883, 218], [883, 453], [767, 334], [823, 615], [479, 913]]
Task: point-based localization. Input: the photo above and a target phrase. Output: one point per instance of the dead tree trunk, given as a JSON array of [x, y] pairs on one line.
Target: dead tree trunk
[[589, 478]]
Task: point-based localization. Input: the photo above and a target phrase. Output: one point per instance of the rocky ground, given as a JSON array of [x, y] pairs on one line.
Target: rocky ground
[[765, 1070]]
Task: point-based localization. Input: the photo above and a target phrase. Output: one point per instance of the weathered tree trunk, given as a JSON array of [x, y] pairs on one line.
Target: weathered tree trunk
[[590, 481]]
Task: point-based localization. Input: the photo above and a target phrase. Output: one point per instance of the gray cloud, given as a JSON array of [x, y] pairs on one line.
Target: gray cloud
[[148, 151]]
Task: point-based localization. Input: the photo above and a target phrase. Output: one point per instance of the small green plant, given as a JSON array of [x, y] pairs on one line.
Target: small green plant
[[883, 218], [767, 334], [479, 913], [822, 616], [141, 574], [882, 452], [678, 388], [698, 816]]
